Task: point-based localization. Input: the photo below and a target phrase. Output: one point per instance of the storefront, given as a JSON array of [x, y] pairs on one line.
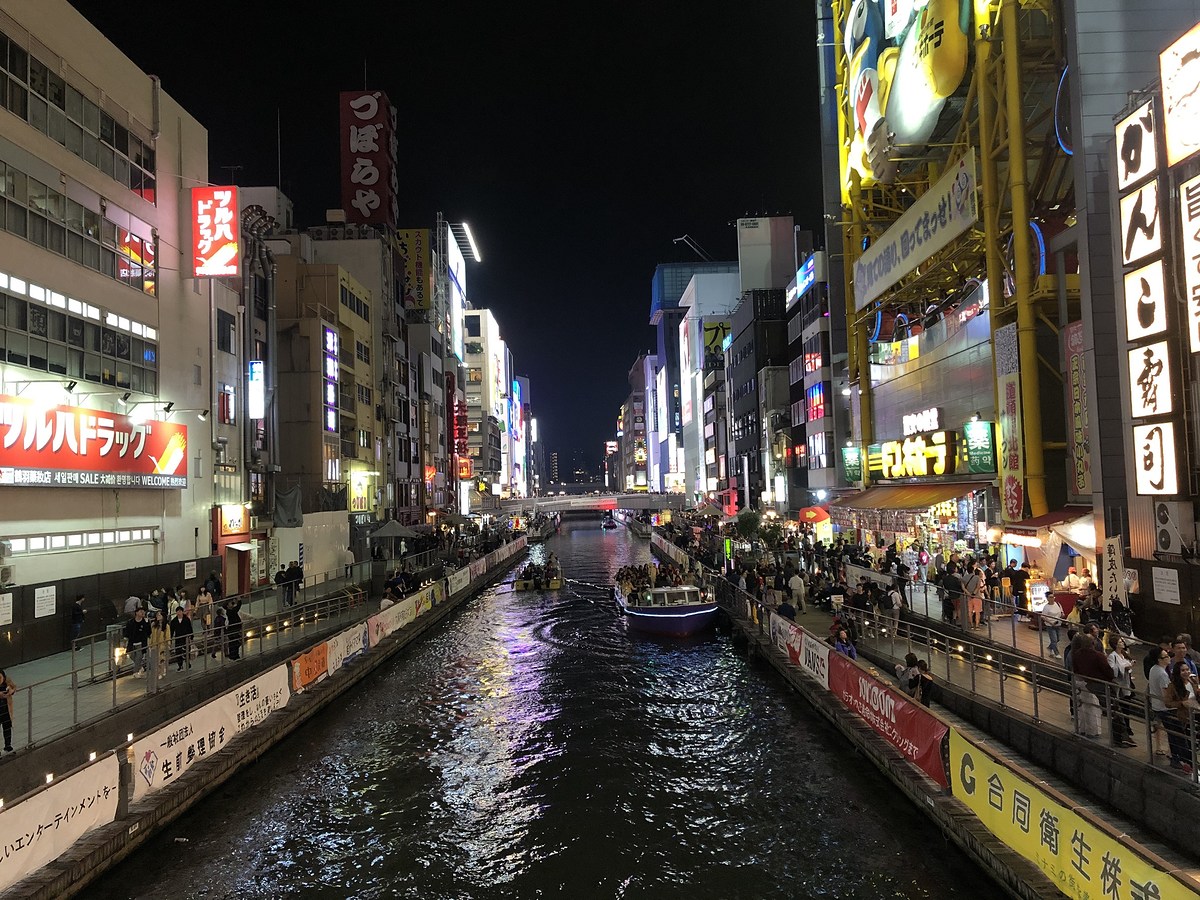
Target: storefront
[[246, 554], [1052, 544], [945, 516]]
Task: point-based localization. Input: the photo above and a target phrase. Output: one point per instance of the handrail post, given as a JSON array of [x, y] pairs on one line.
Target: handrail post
[[971, 663], [1036, 690], [1000, 660]]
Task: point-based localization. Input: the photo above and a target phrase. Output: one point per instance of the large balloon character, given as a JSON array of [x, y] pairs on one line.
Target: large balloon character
[[906, 57]]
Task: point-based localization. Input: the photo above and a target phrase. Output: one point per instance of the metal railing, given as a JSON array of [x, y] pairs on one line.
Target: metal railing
[[1041, 690], [100, 676]]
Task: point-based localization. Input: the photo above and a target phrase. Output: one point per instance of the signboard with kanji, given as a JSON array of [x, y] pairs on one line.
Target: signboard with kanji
[[215, 229], [69, 446], [369, 147]]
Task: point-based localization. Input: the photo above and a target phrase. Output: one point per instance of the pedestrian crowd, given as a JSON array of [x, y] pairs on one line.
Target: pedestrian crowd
[[178, 628]]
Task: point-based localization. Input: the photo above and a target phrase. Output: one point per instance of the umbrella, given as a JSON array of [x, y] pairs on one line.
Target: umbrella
[[709, 509], [393, 529], [455, 519], [812, 514]]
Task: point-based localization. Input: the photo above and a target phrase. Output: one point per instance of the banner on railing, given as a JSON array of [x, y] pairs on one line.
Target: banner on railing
[[345, 646], [390, 620], [814, 658], [310, 667], [787, 636], [38, 830], [161, 757], [668, 549], [423, 601], [903, 722], [1082, 858], [478, 568], [457, 581]]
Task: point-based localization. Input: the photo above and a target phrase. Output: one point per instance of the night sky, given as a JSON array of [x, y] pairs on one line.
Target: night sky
[[577, 141]]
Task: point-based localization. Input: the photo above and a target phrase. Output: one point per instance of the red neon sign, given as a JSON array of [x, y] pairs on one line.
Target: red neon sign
[[215, 232]]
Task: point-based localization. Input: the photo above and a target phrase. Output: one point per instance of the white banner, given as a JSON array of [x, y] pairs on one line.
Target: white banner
[[161, 757], [42, 828], [1113, 571], [457, 581], [940, 215], [391, 620], [814, 659], [346, 645]]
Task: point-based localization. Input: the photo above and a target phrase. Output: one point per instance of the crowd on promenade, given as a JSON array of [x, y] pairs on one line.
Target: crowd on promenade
[[172, 628], [1100, 655]]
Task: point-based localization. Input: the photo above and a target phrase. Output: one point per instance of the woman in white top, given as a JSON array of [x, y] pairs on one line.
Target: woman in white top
[[1122, 669]]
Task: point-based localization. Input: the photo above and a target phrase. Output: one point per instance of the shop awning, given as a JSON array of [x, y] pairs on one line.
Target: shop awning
[[242, 547], [1080, 533], [906, 496], [1066, 514]]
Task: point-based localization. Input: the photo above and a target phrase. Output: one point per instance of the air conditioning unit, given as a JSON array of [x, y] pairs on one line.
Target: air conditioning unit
[[8, 575], [1174, 526], [5, 549]]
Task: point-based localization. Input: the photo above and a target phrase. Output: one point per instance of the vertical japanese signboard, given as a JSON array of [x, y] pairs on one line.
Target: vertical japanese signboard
[[215, 229], [1189, 217], [1113, 578], [67, 446], [1150, 351], [418, 267], [367, 135], [1012, 452], [1080, 461]]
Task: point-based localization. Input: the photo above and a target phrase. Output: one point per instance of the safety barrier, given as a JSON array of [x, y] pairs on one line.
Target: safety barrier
[[38, 828]]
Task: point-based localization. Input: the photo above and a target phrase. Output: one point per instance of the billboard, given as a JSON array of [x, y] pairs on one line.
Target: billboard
[[1179, 65], [69, 446], [215, 229], [517, 432], [418, 268], [456, 271], [367, 137], [685, 369]]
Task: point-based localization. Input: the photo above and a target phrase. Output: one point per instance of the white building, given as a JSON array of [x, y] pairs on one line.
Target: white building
[[108, 345]]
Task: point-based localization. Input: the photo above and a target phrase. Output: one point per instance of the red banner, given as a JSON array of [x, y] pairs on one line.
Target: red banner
[[903, 722], [310, 667], [68, 446], [215, 229], [367, 135]]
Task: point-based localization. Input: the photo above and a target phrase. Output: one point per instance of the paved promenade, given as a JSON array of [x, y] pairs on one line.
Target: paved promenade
[[60, 692]]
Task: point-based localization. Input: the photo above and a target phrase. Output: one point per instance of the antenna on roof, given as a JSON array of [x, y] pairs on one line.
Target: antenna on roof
[[699, 251]]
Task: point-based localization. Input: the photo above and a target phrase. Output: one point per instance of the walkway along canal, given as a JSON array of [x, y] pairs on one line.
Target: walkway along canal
[[56, 840], [531, 746]]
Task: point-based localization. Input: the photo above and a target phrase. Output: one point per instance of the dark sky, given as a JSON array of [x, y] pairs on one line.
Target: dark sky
[[576, 140]]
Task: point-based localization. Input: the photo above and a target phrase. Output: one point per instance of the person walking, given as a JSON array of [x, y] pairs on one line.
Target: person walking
[[1051, 618], [160, 642], [181, 637], [349, 561], [233, 628], [137, 637], [78, 615], [7, 689], [799, 592]]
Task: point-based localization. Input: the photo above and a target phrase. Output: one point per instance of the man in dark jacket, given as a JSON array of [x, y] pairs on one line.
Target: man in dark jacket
[[137, 638], [181, 635]]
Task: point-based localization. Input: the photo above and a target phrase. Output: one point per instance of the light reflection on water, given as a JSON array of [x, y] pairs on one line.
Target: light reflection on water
[[532, 747]]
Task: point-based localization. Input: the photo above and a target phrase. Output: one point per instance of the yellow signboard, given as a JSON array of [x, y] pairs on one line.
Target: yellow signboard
[[1080, 857], [920, 456]]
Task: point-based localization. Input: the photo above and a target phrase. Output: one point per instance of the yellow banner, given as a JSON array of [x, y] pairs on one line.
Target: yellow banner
[[1081, 858]]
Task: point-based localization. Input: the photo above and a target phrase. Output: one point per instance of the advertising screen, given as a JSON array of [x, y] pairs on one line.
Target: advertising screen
[[685, 369], [68, 446], [215, 232], [456, 269]]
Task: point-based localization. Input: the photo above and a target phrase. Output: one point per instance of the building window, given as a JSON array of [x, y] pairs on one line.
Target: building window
[[226, 331], [362, 352], [815, 397], [355, 304], [226, 405], [44, 216], [364, 394], [473, 326], [35, 92], [39, 331]]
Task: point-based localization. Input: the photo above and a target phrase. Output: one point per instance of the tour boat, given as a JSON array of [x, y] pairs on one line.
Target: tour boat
[[609, 523], [677, 611], [531, 584]]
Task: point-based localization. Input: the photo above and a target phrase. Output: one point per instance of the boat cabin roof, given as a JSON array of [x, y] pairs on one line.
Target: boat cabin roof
[[672, 595]]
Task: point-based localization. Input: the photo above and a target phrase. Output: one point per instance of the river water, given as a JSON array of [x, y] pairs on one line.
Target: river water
[[532, 747]]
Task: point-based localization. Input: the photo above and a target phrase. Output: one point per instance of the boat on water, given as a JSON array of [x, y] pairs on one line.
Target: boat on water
[[678, 610], [608, 523], [536, 584]]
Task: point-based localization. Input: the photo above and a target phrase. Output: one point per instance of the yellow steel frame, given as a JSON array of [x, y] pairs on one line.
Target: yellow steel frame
[[1002, 117]]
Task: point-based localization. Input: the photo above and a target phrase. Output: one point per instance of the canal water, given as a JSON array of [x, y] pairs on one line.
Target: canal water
[[532, 747]]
